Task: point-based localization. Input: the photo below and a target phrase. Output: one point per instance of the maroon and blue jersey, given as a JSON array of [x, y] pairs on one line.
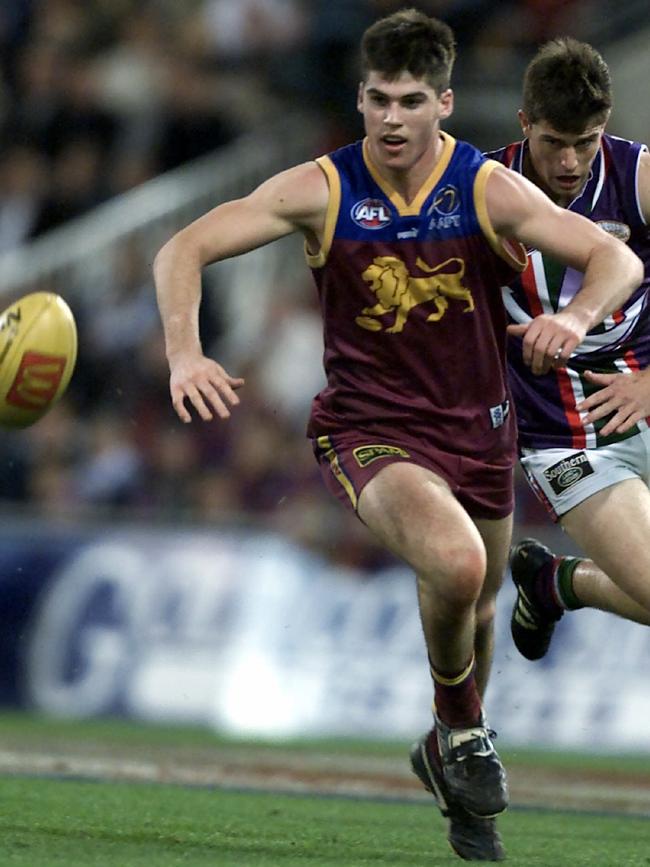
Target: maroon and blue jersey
[[546, 405], [410, 292]]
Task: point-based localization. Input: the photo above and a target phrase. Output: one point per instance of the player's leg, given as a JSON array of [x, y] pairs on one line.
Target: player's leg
[[603, 505], [613, 527], [496, 537], [347, 472], [416, 516]]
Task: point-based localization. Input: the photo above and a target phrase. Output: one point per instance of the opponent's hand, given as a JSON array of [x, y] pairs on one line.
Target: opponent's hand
[[549, 340], [205, 384], [624, 396]]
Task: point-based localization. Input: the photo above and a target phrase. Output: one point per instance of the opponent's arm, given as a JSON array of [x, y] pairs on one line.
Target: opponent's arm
[[518, 209], [294, 200], [626, 397], [644, 186]]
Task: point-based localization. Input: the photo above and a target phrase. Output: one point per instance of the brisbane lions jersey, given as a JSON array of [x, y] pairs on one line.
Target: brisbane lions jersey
[[410, 294], [546, 405]]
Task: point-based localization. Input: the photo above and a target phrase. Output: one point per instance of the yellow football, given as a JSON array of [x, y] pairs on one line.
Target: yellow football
[[38, 351]]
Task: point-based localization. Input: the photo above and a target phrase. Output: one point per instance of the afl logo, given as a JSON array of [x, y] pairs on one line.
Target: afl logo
[[371, 214]]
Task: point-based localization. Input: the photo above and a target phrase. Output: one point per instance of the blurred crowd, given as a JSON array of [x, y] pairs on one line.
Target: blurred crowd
[[98, 96]]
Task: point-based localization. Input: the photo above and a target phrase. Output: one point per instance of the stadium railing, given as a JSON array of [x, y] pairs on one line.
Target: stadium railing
[[78, 258]]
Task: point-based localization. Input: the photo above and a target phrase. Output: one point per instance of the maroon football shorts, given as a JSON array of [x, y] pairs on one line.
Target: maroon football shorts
[[348, 461]]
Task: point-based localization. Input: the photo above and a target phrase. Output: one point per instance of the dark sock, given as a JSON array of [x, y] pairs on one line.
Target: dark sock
[[554, 588], [457, 701], [546, 592], [564, 583]]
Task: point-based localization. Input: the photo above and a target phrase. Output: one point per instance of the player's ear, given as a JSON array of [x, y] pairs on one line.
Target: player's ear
[[446, 102], [360, 97], [524, 122]]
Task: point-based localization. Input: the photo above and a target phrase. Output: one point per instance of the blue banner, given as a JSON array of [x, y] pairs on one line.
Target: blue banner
[[248, 634]]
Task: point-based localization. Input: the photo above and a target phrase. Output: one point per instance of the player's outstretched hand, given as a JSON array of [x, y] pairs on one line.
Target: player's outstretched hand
[[206, 385], [626, 397], [549, 340]]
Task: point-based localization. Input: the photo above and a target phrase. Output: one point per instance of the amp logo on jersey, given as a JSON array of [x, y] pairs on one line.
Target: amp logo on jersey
[[447, 200], [568, 472], [444, 211], [399, 292], [371, 214]]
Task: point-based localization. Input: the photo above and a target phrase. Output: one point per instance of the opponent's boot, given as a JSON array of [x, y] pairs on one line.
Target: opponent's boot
[[532, 624]]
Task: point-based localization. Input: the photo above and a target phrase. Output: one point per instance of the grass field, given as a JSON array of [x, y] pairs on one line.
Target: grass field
[[112, 793]]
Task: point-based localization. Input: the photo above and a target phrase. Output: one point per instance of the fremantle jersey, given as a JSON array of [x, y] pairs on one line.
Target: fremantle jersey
[[546, 405], [414, 324]]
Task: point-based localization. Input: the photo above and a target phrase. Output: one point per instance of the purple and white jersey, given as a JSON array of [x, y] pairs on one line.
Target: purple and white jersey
[[546, 405]]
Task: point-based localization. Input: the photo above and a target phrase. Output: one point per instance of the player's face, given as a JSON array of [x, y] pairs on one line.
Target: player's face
[[401, 119], [560, 162]]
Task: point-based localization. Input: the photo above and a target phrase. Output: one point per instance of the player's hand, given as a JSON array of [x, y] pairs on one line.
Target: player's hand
[[205, 385], [548, 340], [624, 396]]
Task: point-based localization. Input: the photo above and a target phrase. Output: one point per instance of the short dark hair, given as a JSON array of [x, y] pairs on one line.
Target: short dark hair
[[410, 41], [568, 85]]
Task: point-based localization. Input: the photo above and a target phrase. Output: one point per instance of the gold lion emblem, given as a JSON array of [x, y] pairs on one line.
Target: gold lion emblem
[[397, 291]]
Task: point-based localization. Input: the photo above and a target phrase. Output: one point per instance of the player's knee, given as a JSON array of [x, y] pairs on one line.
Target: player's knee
[[456, 577], [468, 577], [486, 611]]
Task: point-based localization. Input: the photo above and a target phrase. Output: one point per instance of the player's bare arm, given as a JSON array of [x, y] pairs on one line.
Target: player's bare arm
[[292, 201], [517, 208], [644, 186], [626, 397]]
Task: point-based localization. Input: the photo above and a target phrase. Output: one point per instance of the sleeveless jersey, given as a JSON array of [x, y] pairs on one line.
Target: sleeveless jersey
[[546, 405], [410, 295]]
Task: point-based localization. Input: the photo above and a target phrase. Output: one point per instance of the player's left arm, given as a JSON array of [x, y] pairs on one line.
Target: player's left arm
[[626, 397], [518, 209]]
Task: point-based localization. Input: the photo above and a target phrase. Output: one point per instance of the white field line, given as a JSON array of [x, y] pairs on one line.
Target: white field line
[[365, 777]]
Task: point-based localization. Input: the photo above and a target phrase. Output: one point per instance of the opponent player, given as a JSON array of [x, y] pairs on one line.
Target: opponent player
[[410, 235], [583, 431]]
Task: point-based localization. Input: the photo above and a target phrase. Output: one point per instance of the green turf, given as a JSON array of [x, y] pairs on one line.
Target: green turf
[[19, 729], [51, 822], [46, 823]]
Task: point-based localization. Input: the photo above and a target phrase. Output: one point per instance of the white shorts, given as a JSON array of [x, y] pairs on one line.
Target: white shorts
[[564, 478]]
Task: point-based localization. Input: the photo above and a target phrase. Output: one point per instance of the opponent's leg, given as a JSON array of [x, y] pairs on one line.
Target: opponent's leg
[[611, 527], [594, 589]]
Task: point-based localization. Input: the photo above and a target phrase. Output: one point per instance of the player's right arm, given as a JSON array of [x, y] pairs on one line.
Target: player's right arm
[[624, 397], [611, 271], [292, 201]]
